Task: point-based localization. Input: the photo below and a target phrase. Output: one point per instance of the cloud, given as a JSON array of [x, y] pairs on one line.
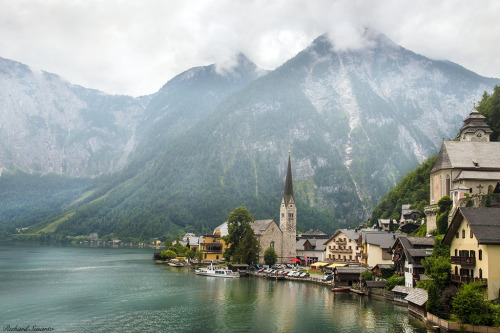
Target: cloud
[[134, 47]]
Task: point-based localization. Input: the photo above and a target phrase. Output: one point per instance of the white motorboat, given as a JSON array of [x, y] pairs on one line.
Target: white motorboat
[[217, 271]]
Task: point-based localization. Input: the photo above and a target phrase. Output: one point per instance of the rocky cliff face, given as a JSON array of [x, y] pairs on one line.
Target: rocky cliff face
[[50, 125]]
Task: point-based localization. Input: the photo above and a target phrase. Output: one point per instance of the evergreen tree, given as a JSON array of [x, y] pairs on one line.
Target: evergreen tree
[[240, 235], [270, 256], [489, 107]]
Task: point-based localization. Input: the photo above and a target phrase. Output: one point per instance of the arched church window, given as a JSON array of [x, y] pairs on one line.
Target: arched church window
[[448, 185], [272, 245]]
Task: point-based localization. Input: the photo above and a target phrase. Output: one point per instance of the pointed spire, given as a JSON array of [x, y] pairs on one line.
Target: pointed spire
[[288, 181]]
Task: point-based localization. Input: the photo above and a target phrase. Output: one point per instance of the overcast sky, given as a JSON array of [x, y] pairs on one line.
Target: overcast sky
[[134, 47]]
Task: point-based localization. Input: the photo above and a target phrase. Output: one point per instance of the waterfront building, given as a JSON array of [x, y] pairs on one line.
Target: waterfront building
[[474, 240], [407, 255], [417, 299], [312, 250], [376, 247], [469, 167], [212, 245], [343, 247]]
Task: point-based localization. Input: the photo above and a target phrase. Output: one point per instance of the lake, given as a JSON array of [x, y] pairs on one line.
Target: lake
[[84, 289]]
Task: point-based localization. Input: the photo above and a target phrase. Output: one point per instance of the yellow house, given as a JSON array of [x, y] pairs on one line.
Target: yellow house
[[212, 246], [474, 240]]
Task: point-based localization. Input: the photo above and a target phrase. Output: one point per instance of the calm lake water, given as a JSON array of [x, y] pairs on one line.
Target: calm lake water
[[81, 289]]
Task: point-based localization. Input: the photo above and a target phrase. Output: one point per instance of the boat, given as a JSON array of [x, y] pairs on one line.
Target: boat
[[175, 264], [341, 289], [217, 271]]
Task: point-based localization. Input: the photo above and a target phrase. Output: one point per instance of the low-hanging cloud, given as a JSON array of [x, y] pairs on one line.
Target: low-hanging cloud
[[134, 47]]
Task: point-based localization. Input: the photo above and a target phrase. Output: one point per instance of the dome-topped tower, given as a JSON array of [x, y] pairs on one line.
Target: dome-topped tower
[[475, 128]]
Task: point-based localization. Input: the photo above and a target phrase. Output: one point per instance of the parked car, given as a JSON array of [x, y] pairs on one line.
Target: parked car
[[328, 277], [304, 275]]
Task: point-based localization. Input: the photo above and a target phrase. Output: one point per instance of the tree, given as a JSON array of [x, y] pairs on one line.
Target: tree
[[247, 251], [489, 107], [199, 256], [470, 307], [238, 225], [168, 254], [445, 204], [367, 275], [270, 256], [393, 281], [189, 254]]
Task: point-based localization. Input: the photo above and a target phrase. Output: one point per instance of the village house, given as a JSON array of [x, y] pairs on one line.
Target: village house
[[385, 224], [376, 247], [409, 215], [474, 240], [212, 246], [408, 253], [417, 299], [343, 247], [312, 250], [469, 167]]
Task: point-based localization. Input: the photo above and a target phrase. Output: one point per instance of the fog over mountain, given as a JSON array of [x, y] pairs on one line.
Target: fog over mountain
[[208, 141]]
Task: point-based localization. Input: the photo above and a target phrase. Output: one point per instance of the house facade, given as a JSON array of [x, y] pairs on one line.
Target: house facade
[[408, 253], [343, 247], [376, 246], [311, 250], [212, 246], [464, 168], [474, 240]]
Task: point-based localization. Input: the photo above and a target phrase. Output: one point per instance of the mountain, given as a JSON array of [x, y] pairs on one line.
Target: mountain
[[356, 121], [50, 125]]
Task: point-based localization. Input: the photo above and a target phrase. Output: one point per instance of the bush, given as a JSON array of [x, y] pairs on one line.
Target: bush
[[470, 307], [367, 275], [168, 254], [270, 256], [393, 281]]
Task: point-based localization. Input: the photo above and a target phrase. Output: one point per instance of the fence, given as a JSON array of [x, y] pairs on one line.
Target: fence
[[456, 326]]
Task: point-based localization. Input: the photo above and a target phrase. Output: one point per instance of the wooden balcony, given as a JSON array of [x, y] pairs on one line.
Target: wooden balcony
[[340, 251], [341, 242], [467, 279], [463, 261]]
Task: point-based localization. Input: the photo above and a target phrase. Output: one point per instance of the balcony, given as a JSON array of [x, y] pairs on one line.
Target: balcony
[[340, 251], [467, 279], [463, 261], [340, 242]]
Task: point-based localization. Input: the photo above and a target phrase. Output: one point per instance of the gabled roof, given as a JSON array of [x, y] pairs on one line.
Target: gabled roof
[[317, 245], [401, 289], [468, 155], [352, 234], [416, 248], [484, 222], [417, 296], [259, 226], [351, 269], [312, 232], [384, 240]]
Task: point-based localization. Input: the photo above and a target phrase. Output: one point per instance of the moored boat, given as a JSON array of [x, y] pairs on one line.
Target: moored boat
[[217, 271]]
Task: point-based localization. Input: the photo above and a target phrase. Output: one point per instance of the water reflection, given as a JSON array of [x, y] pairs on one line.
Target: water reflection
[[89, 289]]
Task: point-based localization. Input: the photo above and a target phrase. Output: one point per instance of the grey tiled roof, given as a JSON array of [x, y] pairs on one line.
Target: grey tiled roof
[[401, 289], [417, 296], [351, 269], [316, 243], [260, 225], [463, 154], [384, 240], [484, 222]]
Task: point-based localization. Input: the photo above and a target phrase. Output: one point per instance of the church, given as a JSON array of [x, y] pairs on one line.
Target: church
[[281, 237], [466, 168]]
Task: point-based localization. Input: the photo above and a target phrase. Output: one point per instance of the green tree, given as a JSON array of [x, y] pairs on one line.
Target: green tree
[[393, 281], [489, 107], [445, 204], [270, 256], [470, 307], [189, 254], [247, 251], [367, 275], [168, 254], [199, 256], [238, 225]]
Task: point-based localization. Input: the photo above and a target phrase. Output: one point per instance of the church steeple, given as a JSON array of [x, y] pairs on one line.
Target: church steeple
[[288, 193], [475, 128]]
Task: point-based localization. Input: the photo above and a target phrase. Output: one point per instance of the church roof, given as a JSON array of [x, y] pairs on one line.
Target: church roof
[[468, 155], [484, 222], [288, 193], [259, 226], [473, 122], [478, 175]]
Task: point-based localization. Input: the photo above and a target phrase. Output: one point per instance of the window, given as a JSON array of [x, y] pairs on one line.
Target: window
[[272, 245], [480, 273], [457, 235], [456, 270], [456, 252], [480, 254], [472, 254], [448, 185], [463, 233], [471, 234]]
